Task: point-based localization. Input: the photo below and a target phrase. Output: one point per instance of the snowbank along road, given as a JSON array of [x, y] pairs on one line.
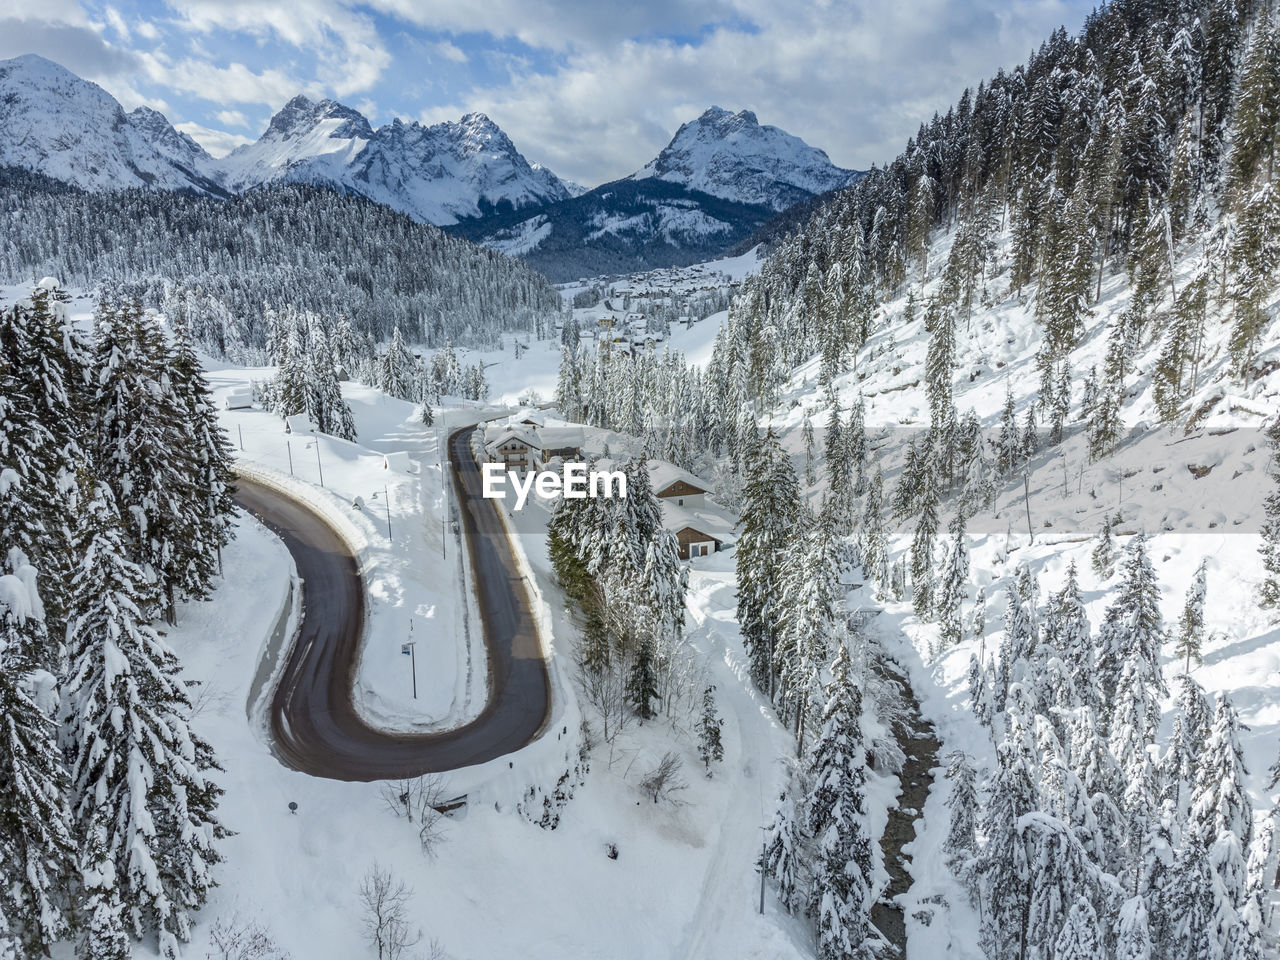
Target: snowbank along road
[[314, 724]]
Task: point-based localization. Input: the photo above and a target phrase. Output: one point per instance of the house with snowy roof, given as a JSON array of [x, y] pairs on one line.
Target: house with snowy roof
[[680, 487], [699, 532], [517, 447]]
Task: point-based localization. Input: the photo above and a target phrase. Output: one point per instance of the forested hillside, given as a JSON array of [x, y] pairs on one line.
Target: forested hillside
[[222, 264], [1080, 248]]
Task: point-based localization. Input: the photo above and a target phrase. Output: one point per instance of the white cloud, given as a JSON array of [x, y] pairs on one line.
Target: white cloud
[[116, 22], [855, 79], [445, 50], [350, 55], [218, 142], [231, 118], [233, 83]]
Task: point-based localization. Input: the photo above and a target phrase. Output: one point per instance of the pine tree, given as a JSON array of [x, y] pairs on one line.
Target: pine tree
[[709, 745], [951, 594], [841, 899], [810, 453], [1256, 112], [36, 850], [1254, 259], [398, 373], [642, 681], [923, 575], [209, 515], [1269, 542], [782, 854], [965, 805], [140, 436], [1003, 868], [770, 510], [1080, 938], [807, 625], [143, 800], [1103, 558], [1133, 938], [1191, 623], [1256, 913], [43, 365]]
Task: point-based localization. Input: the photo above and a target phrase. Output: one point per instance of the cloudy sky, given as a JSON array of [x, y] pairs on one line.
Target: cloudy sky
[[592, 88]]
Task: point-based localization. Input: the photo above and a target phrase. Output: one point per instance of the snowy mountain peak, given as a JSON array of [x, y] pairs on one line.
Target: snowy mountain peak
[[301, 115], [731, 155], [70, 129]]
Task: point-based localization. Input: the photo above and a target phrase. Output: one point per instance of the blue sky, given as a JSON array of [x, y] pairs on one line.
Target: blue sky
[[592, 88]]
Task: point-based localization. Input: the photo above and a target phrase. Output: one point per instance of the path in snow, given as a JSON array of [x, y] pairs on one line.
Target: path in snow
[[919, 742]]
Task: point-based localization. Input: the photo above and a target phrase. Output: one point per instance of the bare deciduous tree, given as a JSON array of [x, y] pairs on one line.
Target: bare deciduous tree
[[419, 800], [664, 781], [385, 901], [237, 939]]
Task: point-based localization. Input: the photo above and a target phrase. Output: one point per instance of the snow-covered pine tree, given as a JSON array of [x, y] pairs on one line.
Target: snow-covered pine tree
[[1080, 938], [771, 500], [873, 545], [1003, 870], [965, 806], [1009, 446], [143, 799], [923, 574], [954, 586], [1133, 937], [1191, 622], [1257, 913], [1068, 633], [36, 849], [398, 372], [43, 364], [1255, 269], [140, 436], [709, 724], [324, 404], [808, 628], [810, 452], [836, 810], [1269, 542], [783, 854], [1103, 558], [208, 449], [1208, 883]]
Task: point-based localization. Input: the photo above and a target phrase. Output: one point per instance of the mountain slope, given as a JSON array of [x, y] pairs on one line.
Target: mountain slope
[[67, 128], [730, 155], [721, 178], [440, 173], [620, 227]]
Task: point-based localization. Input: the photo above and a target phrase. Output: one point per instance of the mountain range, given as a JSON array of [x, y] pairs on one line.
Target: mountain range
[[722, 176]]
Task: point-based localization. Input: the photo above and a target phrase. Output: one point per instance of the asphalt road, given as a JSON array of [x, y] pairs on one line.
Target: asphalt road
[[314, 724]]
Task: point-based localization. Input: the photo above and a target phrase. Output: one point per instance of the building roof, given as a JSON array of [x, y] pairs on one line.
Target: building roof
[[663, 475], [527, 437], [556, 438], [704, 520]]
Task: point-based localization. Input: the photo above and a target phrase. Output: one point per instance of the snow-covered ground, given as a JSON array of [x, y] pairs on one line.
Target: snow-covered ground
[[1196, 494], [532, 375]]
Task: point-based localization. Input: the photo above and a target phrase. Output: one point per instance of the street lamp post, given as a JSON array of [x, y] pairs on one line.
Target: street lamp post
[[407, 649]]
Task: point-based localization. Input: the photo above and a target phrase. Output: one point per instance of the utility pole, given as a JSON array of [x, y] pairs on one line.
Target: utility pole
[[387, 501], [318, 467], [289, 450], [241, 429]]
